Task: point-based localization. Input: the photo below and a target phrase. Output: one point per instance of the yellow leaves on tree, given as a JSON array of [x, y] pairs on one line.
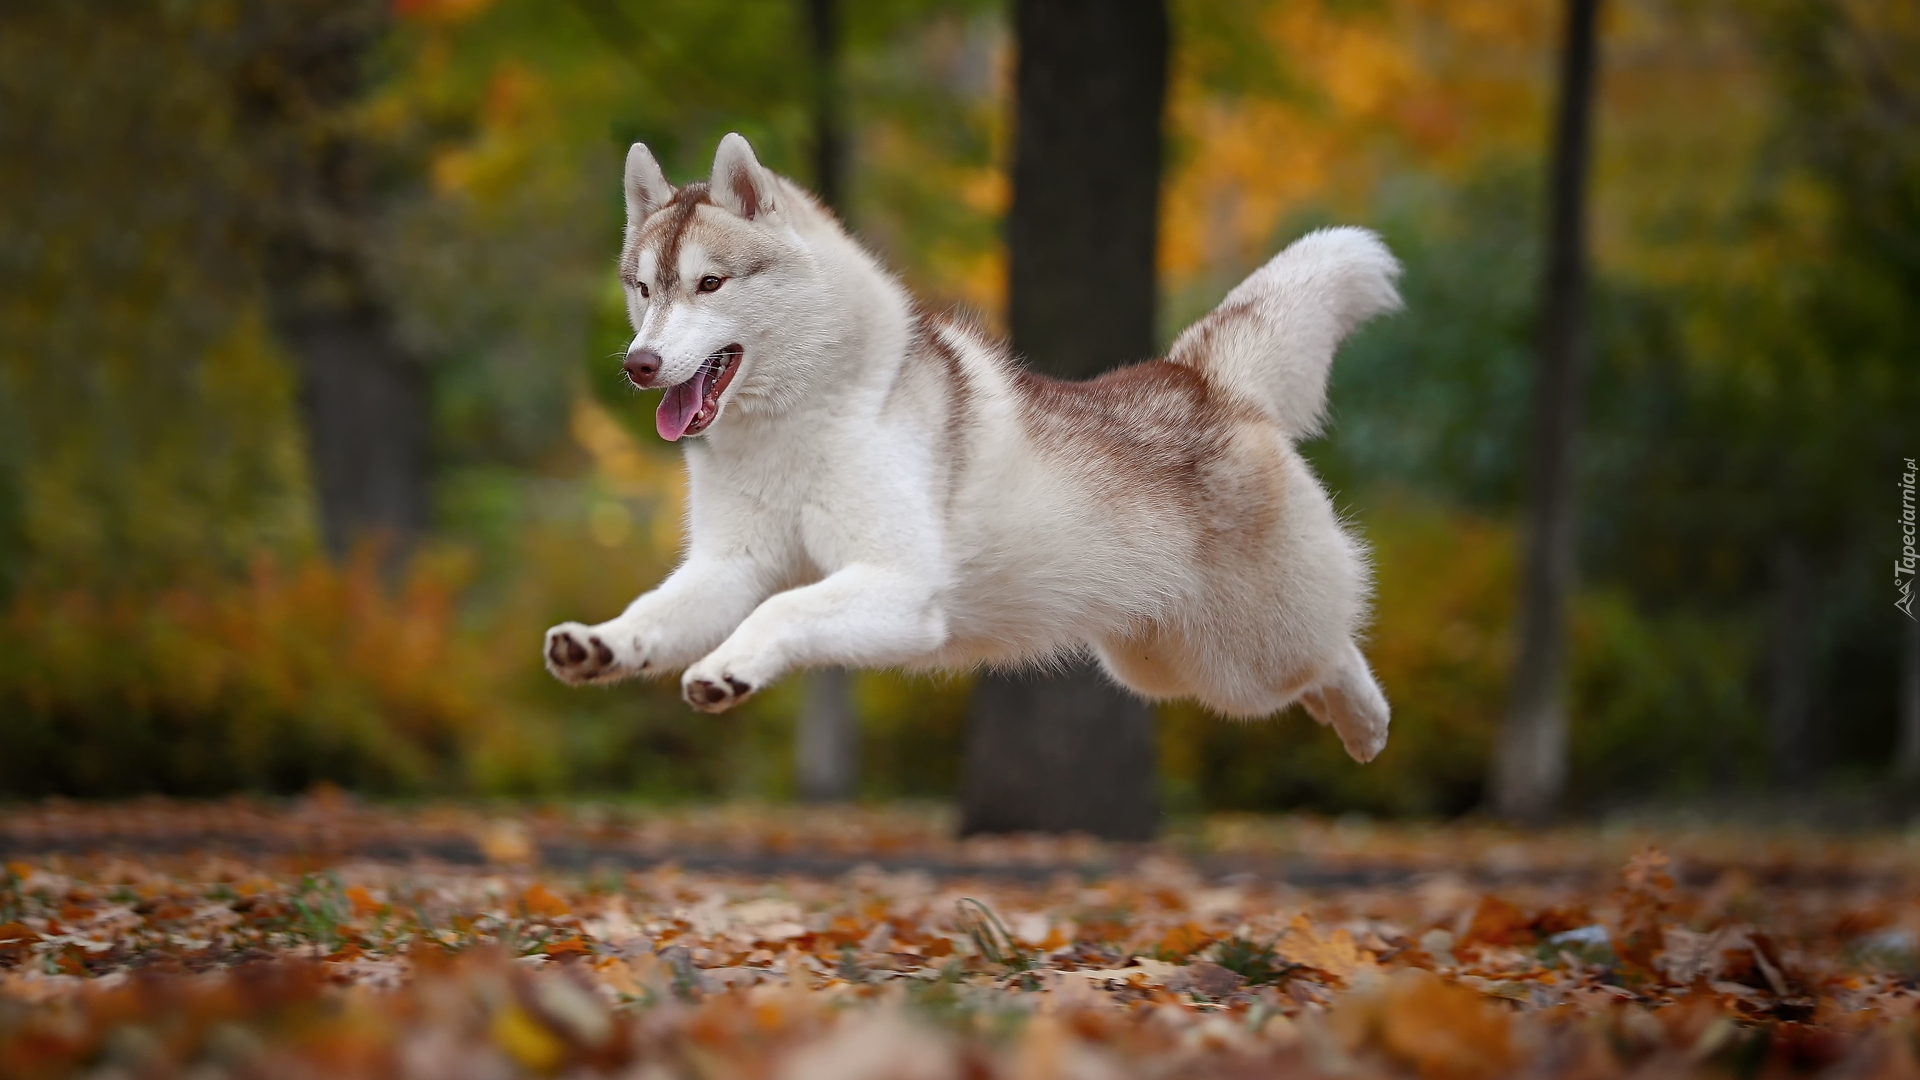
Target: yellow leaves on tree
[[439, 11], [1406, 83]]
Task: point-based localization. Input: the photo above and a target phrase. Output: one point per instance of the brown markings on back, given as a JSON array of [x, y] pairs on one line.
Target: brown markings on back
[[1157, 433]]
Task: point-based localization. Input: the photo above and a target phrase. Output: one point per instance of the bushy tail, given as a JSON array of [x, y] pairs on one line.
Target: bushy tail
[[1271, 341]]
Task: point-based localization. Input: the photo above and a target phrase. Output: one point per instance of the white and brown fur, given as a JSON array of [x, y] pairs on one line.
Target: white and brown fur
[[885, 487]]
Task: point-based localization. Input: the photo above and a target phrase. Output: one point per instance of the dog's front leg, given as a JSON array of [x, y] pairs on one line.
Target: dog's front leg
[[694, 609], [861, 616]]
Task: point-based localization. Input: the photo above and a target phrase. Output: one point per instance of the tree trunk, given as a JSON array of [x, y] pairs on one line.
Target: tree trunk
[[1790, 668], [363, 398], [366, 410], [827, 747], [1059, 753], [1073, 752], [1907, 758], [1530, 769], [1082, 236], [829, 131], [828, 751]]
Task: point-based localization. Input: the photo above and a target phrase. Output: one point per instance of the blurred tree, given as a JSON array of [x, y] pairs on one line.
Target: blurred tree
[[1530, 767], [1907, 753], [828, 745], [1789, 664], [363, 397], [1074, 752], [1849, 72], [829, 123], [146, 425]]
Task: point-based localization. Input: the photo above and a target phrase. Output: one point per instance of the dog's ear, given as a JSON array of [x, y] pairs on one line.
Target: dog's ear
[[740, 183], [647, 187]]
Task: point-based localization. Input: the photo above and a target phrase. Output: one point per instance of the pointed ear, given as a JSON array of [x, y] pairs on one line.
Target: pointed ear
[[740, 183], [647, 187]]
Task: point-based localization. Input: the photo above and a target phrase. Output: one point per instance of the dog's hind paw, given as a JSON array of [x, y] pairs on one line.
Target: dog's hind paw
[[1363, 741], [577, 655], [710, 696], [1360, 718]]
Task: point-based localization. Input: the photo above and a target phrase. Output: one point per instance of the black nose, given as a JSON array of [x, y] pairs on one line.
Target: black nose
[[641, 366]]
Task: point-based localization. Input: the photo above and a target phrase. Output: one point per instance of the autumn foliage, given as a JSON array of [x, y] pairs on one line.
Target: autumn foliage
[[327, 939], [290, 675]]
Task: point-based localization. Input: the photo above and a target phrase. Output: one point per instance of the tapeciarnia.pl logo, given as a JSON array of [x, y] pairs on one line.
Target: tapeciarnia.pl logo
[[1903, 567]]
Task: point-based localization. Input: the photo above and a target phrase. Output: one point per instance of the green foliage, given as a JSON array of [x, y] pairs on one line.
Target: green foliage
[[1252, 960], [320, 908], [1435, 399], [148, 423], [1667, 705], [912, 734]]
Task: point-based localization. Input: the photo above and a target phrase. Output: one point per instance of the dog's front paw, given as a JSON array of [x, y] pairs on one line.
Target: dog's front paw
[[578, 655], [713, 689]]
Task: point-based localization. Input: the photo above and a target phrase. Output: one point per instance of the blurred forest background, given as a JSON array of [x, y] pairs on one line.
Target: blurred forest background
[[173, 619]]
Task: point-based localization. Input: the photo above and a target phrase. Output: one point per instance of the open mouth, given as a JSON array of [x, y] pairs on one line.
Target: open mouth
[[690, 406]]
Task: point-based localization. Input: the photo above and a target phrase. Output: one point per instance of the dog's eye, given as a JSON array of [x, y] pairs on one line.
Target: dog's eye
[[642, 286], [711, 283]]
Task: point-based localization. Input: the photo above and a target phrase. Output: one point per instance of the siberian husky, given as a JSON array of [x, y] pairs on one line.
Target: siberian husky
[[874, 485]]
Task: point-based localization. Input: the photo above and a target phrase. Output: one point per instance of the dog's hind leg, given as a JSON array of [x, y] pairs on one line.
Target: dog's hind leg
[[1147, 664], [1347, 699]]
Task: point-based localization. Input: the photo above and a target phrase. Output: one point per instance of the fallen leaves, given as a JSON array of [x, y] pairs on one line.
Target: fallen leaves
[[319, 961], [1334, 955], [1440, 1030]]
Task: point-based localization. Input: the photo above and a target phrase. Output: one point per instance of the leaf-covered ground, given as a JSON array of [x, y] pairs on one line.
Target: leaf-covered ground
[[324, 938]]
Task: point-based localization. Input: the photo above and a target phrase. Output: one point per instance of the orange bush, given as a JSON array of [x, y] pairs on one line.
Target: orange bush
[[290, 675]]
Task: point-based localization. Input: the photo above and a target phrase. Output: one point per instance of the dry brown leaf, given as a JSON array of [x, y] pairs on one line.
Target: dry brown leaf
[[1496, 922], [1442, 1030], [1336, 954], [540, 900], [1184, 940]]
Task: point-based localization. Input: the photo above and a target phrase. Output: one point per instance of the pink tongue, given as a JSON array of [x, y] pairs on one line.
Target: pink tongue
[[680, 406]]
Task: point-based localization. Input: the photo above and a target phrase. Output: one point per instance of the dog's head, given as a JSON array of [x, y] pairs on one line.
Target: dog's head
[[714, 275]]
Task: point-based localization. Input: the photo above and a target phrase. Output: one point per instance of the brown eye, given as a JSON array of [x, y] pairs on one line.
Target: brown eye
[[711, 283], [644, 293]]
